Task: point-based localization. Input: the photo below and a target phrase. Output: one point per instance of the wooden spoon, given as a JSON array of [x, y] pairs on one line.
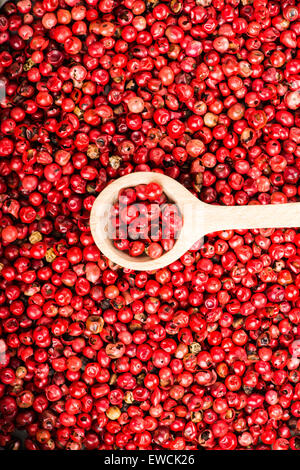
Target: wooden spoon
[[199, 219]]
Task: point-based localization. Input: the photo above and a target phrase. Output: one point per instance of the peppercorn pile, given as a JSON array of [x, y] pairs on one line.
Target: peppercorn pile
[[205, 353], [144, 222]]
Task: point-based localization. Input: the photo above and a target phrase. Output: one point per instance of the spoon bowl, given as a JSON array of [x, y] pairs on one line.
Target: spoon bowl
[[199, 219], [175, 192]]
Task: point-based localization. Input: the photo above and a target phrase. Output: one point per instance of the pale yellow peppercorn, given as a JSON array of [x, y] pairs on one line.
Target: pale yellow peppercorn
[[50, 255], [93, 151], [113, 413]]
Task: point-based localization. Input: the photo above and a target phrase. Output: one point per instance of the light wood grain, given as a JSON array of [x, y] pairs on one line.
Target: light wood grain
[[198, 219]]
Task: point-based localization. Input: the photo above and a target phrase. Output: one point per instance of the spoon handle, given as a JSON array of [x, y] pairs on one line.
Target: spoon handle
[[252, 216]]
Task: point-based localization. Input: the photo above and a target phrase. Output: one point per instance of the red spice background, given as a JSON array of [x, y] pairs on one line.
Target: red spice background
[[201, 354]]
